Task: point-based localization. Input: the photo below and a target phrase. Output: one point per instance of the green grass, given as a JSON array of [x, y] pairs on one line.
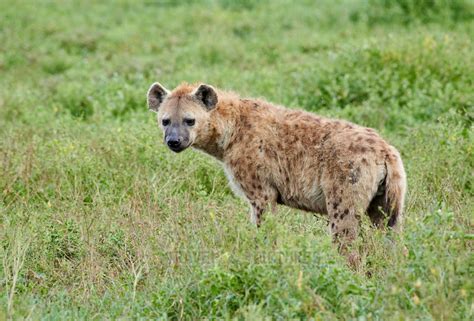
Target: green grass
[[98, 220]]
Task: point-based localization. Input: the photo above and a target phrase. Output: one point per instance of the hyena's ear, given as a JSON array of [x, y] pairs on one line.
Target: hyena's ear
[[156, 94], [207, 96]]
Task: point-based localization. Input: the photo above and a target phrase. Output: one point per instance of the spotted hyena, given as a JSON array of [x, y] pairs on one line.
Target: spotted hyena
[[273, 155]]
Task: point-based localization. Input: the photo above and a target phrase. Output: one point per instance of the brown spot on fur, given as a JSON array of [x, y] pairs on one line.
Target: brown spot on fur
[[344, 214], [342, 178], [370, 141], [325, 137], [239, 138], [354, 175]]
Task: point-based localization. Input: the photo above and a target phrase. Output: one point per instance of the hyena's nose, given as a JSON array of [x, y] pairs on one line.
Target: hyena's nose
[[174, 142]]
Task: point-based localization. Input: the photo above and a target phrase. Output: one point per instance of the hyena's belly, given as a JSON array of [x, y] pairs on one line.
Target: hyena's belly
[[312, 200]]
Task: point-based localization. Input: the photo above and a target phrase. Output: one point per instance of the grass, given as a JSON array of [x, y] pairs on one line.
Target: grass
[[100, 221]]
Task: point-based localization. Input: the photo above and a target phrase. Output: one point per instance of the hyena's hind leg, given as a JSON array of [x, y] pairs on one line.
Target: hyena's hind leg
[[343, 220], [344, 210]]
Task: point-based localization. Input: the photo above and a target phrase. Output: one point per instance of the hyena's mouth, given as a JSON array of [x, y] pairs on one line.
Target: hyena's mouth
[[179, 149]]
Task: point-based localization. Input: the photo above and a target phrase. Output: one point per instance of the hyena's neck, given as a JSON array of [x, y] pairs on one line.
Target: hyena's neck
[[220, 131]]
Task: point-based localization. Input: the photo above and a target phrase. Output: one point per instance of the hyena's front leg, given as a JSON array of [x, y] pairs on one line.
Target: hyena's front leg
[[256, 213], [247, 182], [260, 198]]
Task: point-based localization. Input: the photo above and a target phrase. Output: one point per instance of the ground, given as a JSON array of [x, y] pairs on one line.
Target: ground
[[98, 219]]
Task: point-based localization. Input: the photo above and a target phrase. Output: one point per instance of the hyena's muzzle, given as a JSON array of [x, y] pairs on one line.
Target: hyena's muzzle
[[177, 137]]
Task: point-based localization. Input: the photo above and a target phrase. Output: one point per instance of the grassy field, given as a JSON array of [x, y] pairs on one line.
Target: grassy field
[[98, 220]]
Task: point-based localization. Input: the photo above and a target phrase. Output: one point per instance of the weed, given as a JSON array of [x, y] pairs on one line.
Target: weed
[[99, 220]]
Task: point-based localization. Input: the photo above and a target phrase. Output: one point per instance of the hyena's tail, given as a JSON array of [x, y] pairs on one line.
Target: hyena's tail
[[395, 189]]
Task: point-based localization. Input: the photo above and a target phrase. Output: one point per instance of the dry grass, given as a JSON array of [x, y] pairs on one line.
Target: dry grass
[[99, 221]]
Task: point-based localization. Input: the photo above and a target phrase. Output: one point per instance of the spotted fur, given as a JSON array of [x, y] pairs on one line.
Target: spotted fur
[[273, 155]]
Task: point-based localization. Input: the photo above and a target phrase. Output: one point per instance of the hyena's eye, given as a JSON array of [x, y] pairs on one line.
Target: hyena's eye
[[165, 122], [189, 121]]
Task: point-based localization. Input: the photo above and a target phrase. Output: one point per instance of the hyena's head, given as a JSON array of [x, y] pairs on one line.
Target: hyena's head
[[182, 114]]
